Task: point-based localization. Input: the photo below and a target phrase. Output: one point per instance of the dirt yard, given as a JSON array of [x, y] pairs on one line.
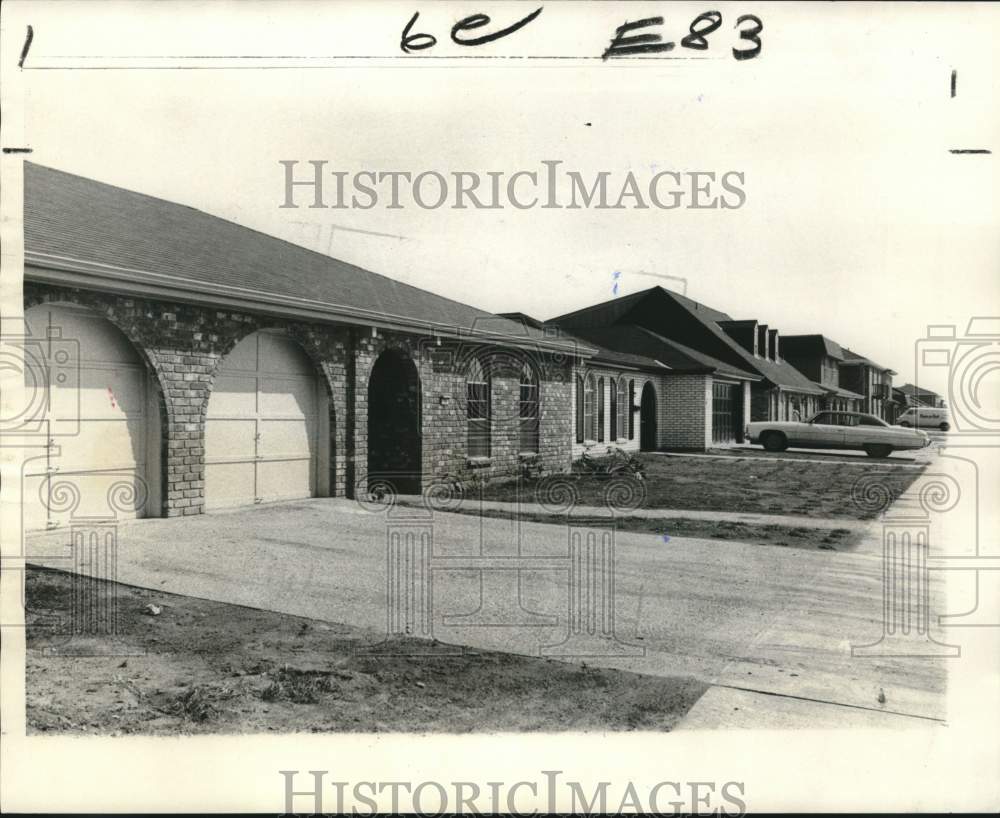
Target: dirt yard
[[208, 667], [765, 485]]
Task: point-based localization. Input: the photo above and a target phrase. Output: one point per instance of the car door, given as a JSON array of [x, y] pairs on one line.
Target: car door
[[822, 432], [871, 430]]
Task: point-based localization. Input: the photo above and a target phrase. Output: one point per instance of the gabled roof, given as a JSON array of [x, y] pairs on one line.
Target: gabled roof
[[663, 352], [810, 346], [853, 359], [714, 340], [99, 236], [522, 318], [916, 391]]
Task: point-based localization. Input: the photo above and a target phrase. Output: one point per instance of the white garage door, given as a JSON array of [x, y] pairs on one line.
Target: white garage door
[[266, 417], [101, 419]]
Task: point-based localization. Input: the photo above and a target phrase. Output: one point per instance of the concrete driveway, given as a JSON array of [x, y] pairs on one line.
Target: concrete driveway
[[770, 627]]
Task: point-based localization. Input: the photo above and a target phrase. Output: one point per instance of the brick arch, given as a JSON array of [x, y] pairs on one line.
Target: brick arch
[[107, 311]]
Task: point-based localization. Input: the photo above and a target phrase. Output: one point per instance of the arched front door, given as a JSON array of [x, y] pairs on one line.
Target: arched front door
[[647, 418], [394, 444], [99, 411], [267, 427]]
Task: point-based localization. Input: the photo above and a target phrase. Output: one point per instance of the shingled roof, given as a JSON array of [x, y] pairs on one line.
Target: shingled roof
[[658, 351], [101, 236], [852, 358], [686, 321], [811, 345]]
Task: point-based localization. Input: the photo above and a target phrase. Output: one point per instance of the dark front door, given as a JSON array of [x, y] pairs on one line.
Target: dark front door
[[647, 419], [726, 412], [394, 441]]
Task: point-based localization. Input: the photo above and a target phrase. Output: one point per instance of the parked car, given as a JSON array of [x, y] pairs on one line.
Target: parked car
[[925, 416], [836, 430]]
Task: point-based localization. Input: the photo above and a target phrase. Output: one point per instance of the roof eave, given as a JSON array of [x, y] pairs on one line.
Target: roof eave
[[45, 269]]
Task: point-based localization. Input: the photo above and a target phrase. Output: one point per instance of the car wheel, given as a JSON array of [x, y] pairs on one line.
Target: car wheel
[[906, 424], [878, 450], [774, 441], [944, 427]]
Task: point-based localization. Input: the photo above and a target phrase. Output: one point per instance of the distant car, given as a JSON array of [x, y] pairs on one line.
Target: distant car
[[836, 430], [927, 417]]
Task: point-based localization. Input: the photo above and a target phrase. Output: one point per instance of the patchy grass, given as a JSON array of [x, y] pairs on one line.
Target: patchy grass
[[854, 490], [208, 667]]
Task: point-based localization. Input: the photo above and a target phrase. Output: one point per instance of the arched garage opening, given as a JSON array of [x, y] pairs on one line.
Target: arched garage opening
[[647, 418], [394, 445], [267, 425], [99, 409]]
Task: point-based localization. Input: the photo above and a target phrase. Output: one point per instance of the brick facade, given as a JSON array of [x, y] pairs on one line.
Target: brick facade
[[683, 410], [183, 346]]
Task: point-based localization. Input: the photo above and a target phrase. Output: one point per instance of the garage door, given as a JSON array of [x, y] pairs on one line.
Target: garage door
[[266, 417], [726, 412], [101, 421]]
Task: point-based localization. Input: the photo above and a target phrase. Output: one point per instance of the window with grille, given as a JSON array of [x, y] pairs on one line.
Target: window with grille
[[613, 398], [528, 409], [477, 402], [631, 413], [589, 416], [600, 410], [623, 410], [579, 409]]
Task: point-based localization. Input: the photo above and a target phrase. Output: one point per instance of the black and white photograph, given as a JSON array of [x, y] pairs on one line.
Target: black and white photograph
[[501, 407]]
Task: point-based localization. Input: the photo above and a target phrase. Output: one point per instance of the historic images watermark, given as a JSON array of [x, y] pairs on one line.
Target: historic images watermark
[[313, 791], [312, 184], [970, 364], [487, 584], [41, 368]]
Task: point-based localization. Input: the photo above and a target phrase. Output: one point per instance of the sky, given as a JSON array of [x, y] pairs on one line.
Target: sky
[[858, 222]]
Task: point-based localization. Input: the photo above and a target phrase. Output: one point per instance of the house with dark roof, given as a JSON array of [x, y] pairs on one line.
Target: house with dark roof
[[743, 374], [196, 363], [912, 395], [819, 359], [643, 391], [874, 381]]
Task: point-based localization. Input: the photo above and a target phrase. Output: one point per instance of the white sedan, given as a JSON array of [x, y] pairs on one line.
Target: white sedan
[[836, 430]]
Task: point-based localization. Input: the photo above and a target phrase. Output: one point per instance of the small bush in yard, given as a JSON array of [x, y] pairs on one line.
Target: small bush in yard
[[298, 686], [197, 703]]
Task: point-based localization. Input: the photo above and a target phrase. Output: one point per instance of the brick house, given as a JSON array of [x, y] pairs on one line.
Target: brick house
[[744, 377], [201, 364], [819, 359], [909, 395], [871, 380], [640, 392]]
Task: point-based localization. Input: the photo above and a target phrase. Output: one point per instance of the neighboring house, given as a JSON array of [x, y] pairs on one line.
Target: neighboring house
[[641, 391], [916, 396], [197, 364], [819, 359], [736, 355], [873, 381]]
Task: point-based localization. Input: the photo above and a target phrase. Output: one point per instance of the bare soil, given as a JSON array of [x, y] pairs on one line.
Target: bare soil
[[206, 667]]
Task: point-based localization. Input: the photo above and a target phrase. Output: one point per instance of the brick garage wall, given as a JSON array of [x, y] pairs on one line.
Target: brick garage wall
[[182, 346], [685, 412]]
